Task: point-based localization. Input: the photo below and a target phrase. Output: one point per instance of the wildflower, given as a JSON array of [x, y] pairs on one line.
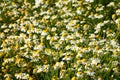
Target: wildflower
[[35, 22], [100, 8], [8, 78], [18, 76], [98, 16], [24, 29], [9, 60], [62, 73], [79, 10], [79, 54], [35, 36], [58, 65], [40, 69], [86, 27], [59, 4], [2, 35], [34, 71], [92, 36], [44, 33], [55, 78], [89, 1], [111, 4], [46, 17], [53, 29], [115, 63], [52, 40], [30, 78], [95, 61], [115, 70], [22, 76], [57, 46], [39, 47], [90, 73], [74, 78], [26, 76], [78, 61], [98, 27], [107, 69], [79, 74], [99, 78], [48, 37], [114, 16], [68, 47], [38, 30], [4, 26], [117, 21], [38, 3], [118, 12], [83, 61], [54, 17], [115, 52], [67, 58]]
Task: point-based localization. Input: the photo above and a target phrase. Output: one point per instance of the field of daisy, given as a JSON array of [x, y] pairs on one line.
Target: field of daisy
[[59, 39]]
